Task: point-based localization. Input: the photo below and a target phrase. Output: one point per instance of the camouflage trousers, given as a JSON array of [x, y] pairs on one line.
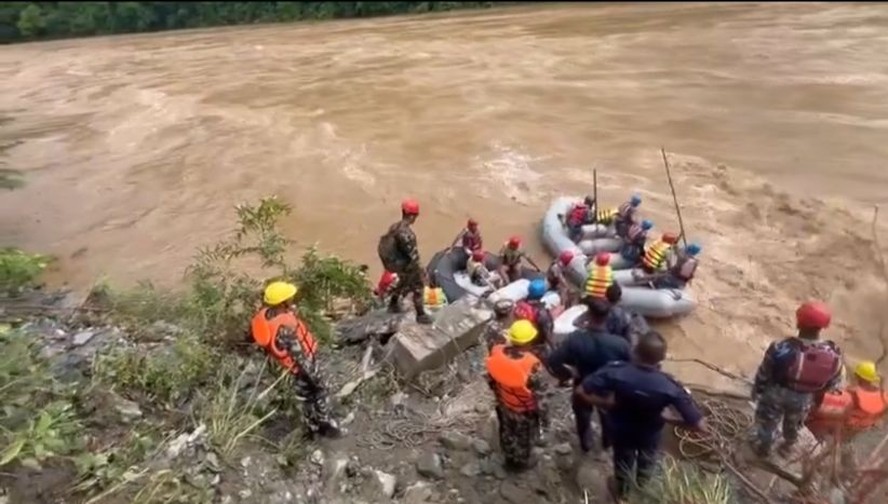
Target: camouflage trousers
[[315, 411], [518, 432], [778, 404], [409, 282]]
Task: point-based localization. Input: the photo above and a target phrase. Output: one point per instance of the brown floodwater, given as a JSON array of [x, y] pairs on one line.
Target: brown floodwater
[[135, 148]]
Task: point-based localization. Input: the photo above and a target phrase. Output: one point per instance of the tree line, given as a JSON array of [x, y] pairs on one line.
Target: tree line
[[23, 21]]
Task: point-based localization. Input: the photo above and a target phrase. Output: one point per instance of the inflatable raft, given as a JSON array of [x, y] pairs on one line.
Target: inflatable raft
[[654, 303], [447, 270]]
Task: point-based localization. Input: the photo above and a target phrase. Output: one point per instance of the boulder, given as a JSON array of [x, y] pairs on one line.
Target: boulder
[[417, 348]]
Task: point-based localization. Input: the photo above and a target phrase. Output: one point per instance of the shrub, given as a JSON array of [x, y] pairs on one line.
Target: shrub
[[19, 269]]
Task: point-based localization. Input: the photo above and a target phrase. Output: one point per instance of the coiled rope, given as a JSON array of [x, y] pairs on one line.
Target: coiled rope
[[726, 426]]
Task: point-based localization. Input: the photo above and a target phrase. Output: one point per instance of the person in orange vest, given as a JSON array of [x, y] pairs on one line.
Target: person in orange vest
[[510, 260], [278, 330], [655, 255], [860, 407], [601, 276], [516, 377]]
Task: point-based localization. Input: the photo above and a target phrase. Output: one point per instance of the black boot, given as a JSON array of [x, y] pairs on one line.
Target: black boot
[[421, 316], [394, 305]]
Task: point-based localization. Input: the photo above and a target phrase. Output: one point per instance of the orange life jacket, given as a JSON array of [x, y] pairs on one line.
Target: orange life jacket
[[511, 374], [433, 297], [600, 278], [265, 330], [655, 255], [853, 410]]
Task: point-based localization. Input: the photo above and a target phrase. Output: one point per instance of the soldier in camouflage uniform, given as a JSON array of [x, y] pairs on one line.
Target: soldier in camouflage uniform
[[411, 278], [285, 338], [516, 378], [793, 376]]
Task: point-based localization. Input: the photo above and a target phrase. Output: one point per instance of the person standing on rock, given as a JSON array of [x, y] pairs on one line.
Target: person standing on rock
[[495, 330], [794, 375], [583, 353], [399, 254], [515, 376], [278, 330], [635, 395]]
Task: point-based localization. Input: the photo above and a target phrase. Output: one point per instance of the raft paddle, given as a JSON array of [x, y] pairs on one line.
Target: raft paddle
[[674, 198]]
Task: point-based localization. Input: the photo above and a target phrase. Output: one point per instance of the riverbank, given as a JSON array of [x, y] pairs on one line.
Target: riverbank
[[32, 21]]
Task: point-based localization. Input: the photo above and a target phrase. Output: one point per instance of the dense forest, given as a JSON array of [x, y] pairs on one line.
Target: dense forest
[[22, 21]]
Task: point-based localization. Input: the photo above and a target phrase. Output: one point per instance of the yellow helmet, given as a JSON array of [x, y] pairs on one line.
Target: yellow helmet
[[279, 292], [866, 371], [522, 332]]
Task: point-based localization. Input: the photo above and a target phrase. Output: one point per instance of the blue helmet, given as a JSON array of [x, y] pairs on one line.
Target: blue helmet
[[693, 249], [635, 200], [537, 289], [646, 224]]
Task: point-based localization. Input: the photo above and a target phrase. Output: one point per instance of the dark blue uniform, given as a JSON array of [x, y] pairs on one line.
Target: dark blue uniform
[[640, 396], [588, 350]]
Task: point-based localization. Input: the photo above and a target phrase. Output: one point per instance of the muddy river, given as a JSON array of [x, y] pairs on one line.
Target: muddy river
[[135, 148]]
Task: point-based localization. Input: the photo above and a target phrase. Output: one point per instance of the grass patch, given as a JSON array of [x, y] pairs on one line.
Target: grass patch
[[19, 270], [682, 483]]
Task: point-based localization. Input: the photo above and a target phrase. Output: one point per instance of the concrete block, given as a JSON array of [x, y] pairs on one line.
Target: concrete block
[[458, 326]]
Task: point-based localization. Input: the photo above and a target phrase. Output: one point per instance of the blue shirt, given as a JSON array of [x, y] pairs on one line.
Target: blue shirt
[[640, 396], [588, 350]]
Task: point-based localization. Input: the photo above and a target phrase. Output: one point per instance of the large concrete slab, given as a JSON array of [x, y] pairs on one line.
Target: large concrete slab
[[458, 326]]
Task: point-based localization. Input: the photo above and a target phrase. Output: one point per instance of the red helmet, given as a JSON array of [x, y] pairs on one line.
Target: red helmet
[[566, 257], [514, 242], [813, 315], [602, 259], [472, 224], [410, 207], [670, 238], [478, 255]]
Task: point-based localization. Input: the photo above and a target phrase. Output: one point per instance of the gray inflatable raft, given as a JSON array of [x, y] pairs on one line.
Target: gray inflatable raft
[[654, 303]]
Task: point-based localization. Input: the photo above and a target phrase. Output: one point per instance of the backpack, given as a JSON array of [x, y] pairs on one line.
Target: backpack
[[812, 367], [525, 311], [391, 257]]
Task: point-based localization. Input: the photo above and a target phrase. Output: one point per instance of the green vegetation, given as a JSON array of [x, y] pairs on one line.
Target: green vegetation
[[19, 270], [683, 483], [180, 360], [42, 20]]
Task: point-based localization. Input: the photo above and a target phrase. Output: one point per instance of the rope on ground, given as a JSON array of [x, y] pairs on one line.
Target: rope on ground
[[727, 426]]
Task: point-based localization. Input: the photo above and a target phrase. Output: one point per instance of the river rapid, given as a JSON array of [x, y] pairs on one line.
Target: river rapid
[[136, 147]]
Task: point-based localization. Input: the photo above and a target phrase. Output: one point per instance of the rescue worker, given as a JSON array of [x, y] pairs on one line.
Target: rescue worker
[[469, 238], [510, 260], [478, 272], [514, 375], [633, 246], [495, 330], [277, 329], [533, 308], [656, 253], [399, 254], [621, 321], [681, 272], [635, 395], [583, 353], [601, 276], [556, 280], [794, 370], [626, 215], [580, 215], [860, 407]]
